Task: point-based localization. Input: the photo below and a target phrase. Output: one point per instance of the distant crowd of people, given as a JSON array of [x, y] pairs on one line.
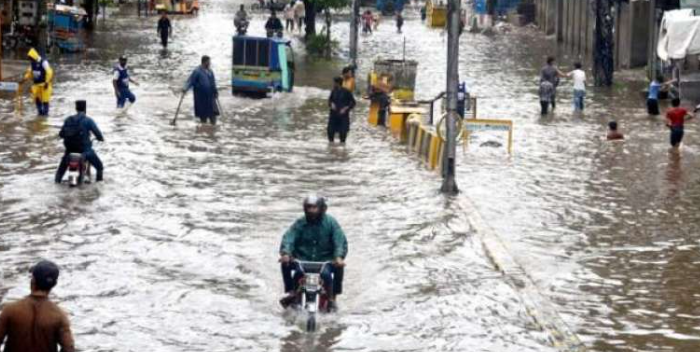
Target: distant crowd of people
[[676, 116]]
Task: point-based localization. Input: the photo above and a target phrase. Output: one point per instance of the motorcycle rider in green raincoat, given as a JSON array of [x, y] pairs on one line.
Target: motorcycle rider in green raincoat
[[316, 237]]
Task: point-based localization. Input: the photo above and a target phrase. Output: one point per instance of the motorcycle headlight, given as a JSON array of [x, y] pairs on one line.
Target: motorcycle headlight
[[312, 280]]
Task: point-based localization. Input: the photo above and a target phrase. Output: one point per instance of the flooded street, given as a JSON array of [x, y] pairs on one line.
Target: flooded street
[[177, 249]]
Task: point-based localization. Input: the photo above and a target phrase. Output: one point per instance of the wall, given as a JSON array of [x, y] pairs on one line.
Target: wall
[[573, 23], [546, 15]]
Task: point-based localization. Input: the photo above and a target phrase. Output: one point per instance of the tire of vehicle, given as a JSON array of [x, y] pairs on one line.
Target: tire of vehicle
[[311, 323], [291, 81]]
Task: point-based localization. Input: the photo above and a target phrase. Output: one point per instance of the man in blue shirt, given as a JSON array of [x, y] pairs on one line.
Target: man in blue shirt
[[76, 138], [120, 81], [653, 97]]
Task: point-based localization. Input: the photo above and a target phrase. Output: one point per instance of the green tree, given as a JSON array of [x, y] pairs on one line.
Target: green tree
[[326, 6], [603, 61]]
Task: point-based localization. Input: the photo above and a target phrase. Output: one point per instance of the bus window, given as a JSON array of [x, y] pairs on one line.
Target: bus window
[[239, 52]]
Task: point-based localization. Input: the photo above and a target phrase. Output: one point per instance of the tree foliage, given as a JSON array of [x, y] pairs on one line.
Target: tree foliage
[[326, 6]]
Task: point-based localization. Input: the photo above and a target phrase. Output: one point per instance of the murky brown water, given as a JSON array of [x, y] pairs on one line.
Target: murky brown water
[[177, 249]]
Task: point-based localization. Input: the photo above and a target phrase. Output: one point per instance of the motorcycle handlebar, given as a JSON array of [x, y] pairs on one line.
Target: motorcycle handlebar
[[312, 267]]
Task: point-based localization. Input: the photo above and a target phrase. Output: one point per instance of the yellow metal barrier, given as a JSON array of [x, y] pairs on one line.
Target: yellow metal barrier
[[398, 116], [424, 141], [373, 117], [435, 148]]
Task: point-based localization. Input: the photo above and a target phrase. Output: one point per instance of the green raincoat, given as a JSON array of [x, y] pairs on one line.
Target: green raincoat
[[320, 242]]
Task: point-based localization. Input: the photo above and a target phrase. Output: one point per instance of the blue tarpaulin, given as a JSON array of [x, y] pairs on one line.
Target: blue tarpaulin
[[501, 7], [397, 4]]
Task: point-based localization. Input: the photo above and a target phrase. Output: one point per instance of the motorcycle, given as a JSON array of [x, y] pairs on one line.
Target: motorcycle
[[78, 169], [241, 27], [277, 33], [18, 36], [312, 294]]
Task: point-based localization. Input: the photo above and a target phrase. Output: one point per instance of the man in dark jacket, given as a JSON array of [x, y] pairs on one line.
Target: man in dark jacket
[[165, 30], [551, 74], [35, 323], [203, 83], [273, 25], [76, 138], [316, 237], [341, 101]]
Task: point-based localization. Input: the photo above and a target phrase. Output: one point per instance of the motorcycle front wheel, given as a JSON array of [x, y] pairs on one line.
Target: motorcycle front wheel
[[311, 323]]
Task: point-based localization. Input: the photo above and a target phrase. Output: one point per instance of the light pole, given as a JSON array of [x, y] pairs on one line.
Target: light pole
[[354, 31], [449, 184]]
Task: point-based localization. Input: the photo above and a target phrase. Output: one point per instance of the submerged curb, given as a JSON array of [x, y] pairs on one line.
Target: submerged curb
[[542, 311]]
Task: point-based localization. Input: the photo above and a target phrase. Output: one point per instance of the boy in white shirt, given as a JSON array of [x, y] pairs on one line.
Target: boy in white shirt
[[579, 78]]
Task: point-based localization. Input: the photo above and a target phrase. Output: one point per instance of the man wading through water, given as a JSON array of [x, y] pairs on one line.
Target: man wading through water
[[551, 74], [340, 102], [34, 323], [165, 30], [203, 83]]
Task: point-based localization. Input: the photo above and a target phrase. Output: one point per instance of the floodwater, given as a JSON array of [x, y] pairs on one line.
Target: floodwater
[[177, 249]]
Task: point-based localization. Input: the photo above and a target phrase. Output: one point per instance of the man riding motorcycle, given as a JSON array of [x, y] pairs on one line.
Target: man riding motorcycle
[[316, 237], [75, 133], [240, 22], [273, 26]]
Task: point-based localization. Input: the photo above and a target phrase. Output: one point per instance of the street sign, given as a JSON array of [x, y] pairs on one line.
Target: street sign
[[474, 125], [471, 127], [9, 86]]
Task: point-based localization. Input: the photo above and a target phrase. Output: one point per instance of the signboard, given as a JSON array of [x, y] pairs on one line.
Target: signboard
[[475, 125], [9, 86]]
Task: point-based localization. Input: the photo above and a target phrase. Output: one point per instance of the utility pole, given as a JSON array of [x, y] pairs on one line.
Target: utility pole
[[354, 31], [653, 32], [1, 49], [603, 61], [449, 184], [42, 27]]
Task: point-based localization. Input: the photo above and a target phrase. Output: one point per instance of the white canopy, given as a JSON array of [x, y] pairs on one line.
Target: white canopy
[[679, 35]]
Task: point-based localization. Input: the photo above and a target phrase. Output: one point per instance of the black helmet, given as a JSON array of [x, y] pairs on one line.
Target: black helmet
[[318, 201], [314, 200]]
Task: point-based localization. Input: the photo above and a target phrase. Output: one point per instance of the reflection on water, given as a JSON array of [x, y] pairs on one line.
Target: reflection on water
[[674, 174]]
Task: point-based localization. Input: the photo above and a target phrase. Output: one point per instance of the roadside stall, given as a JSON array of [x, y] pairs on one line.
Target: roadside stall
[[391, 93], [436, 12]]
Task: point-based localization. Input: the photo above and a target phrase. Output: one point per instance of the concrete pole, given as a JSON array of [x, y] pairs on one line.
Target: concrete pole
[[449, 184], [651, 53], [0, 51], [354, 31], [42, 27]]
